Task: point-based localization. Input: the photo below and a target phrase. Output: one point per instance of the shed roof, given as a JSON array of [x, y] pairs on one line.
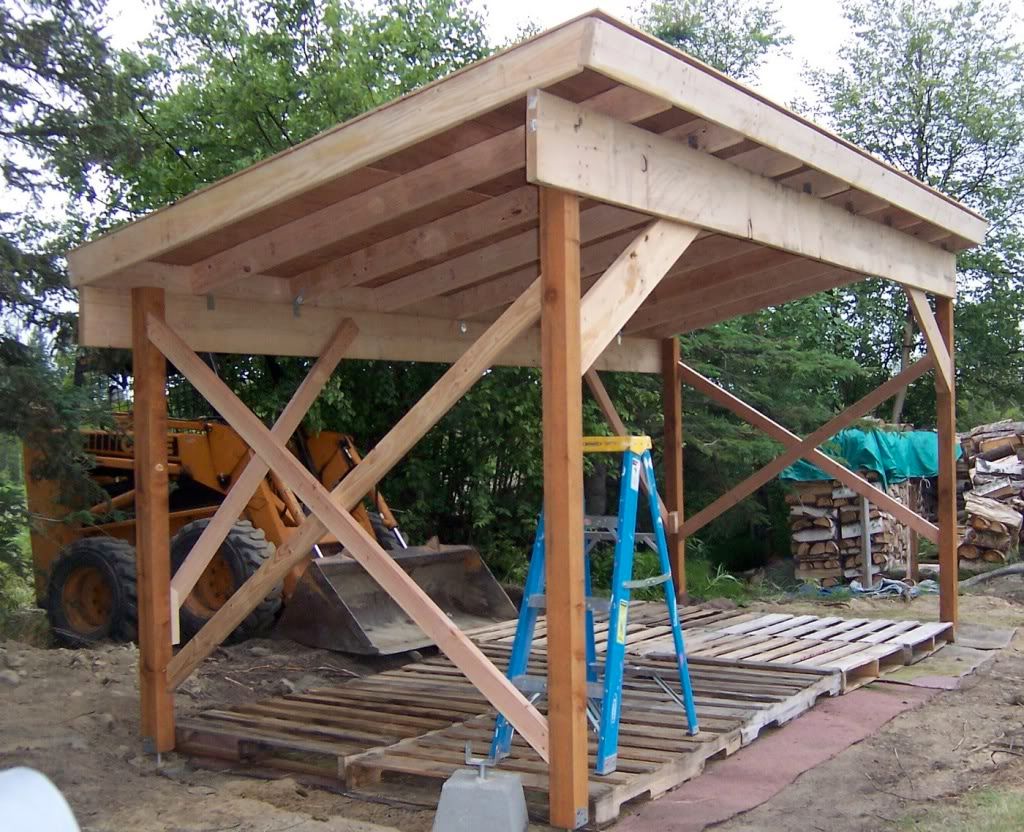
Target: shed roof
[[421, 217]]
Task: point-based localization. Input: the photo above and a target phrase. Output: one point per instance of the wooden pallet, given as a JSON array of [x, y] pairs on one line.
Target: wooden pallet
[[415, 722], [860, 649], [314, 733], [647, 620], [735, 702]]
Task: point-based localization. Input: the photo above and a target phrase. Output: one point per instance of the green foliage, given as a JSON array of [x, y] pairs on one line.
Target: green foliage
[[105, 136], [987, 810], [230, 83], [938, 91], [734, 36]]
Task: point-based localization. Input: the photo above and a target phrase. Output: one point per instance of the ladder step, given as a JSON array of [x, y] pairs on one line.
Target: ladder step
[[594, 604], [528, 685], [646, 583]]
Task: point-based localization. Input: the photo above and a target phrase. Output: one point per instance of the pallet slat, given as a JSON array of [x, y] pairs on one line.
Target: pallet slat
[[748, 671]]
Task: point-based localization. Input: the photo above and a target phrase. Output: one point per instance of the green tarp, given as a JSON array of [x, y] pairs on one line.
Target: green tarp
[[894, 455]]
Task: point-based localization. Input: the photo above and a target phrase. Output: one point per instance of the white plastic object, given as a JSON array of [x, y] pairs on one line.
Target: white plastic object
[[29, 802]]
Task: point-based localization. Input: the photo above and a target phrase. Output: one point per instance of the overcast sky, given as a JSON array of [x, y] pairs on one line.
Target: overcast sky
[[817, 27]]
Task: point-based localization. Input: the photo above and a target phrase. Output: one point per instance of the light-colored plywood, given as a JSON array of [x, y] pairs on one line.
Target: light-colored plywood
[[755, 300], [241, 327], [447, 177], [603, 158], [627, 283], [493, 294], [507, 214], [395, 126], [501, 257], [359, 544], [561, 369], [152, 531], [492, 219], [658, 70], [698, 292], [932, 335]]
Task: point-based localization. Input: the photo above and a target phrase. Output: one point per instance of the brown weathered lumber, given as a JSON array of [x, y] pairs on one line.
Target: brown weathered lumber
[[672, 458], [152, 528], [562, 367], [945, 405]]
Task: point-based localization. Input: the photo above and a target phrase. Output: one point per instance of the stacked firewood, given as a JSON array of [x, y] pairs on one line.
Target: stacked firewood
[[992, 487], [825, 524], [992, 532]]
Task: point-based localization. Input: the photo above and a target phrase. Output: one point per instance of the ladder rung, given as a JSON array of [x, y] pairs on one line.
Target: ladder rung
[[594, 604], [646, 583], [538, 684]]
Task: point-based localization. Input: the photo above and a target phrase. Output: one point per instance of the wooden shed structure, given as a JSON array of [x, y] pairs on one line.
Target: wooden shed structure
[[572, 203]]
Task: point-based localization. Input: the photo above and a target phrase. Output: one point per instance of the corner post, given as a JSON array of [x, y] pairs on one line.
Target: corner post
[[672, 414], [945, 402], [562, 396], [152, 530]]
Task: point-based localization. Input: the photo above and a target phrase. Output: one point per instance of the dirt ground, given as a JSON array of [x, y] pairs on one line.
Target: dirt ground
[[73, 714]]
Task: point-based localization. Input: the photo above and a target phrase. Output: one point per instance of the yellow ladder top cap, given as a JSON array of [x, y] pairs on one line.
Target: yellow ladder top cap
[[616, 444]]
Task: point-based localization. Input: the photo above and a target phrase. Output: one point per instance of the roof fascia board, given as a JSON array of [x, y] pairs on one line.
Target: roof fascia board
[[391, 128], [626, 57]]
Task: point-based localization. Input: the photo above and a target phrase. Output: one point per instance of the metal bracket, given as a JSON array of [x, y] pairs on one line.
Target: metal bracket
[[297, 305], [483, 763]]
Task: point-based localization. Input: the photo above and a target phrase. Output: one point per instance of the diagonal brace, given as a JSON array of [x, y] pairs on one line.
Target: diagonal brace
[[936, 343], [255, 470], [628, 282], [498, 690], [611, 416], [807, 448], [457, 379]]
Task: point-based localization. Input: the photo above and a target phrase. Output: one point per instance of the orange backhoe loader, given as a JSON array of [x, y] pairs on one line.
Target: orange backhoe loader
[[85, 572]]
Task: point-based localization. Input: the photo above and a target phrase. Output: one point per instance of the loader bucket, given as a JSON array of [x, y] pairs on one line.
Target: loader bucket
[[338, 606]]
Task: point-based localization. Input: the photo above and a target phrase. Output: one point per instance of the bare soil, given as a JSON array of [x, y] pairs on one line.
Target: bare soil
[[933, 755], [73, 714]]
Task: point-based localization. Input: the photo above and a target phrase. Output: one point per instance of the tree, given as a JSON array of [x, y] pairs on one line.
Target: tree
[[56, 73], [234, 82], [938, 91], [734, 36]]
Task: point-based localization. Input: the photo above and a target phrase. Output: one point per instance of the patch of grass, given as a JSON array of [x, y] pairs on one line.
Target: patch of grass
[[706, 581], [991, 810]]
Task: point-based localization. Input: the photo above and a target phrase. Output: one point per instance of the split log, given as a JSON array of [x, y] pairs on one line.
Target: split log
[[994, 510]]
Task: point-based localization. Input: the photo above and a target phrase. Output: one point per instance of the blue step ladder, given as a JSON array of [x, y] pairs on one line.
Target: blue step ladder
[[604, 679]]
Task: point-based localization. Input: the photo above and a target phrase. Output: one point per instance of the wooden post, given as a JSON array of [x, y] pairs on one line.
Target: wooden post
[[611, 415], [945, 403], [672, 414], [868, 570], [563, 506], [913, 567], [152, 528]]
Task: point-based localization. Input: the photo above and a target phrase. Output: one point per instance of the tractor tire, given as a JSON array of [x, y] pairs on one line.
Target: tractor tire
[[92, 593], [384, 535], [243, 552]]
